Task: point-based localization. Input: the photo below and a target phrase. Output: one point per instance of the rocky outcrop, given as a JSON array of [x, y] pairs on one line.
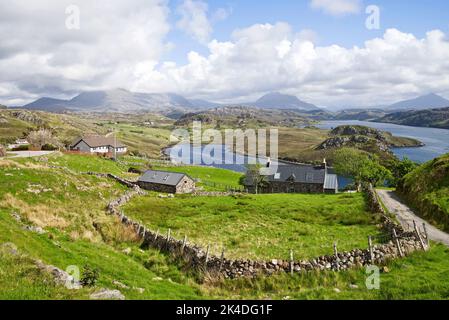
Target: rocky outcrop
[[362, 137], [28, 116], [61, 277], [106, 294]]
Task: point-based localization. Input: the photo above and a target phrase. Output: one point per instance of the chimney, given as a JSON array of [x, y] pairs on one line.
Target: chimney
[[324, 163]]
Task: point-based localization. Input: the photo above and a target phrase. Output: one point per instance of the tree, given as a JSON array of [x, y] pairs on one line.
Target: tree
[[360, 166], [254, 177], [402, 168], [2, 151], [41, 137]]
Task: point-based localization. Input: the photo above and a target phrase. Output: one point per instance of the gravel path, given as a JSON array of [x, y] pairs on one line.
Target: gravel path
[[27, 154], [406, 216]]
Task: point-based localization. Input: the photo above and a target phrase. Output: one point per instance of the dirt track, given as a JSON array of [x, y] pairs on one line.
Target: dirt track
[[406, 216]]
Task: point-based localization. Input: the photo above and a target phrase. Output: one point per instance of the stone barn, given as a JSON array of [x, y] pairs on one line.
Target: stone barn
[[167, 182]]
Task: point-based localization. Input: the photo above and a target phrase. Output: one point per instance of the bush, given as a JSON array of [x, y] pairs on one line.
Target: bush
[[49, 147], [22, 148], [89, 277]]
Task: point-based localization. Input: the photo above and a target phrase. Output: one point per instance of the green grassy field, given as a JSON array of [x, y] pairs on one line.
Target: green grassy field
[[262, 226], [71, 209]]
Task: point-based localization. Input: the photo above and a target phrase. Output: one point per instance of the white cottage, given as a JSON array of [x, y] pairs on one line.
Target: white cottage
[[98, 144]]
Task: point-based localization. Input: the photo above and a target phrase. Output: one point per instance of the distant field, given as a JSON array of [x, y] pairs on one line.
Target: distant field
[[263, 226]]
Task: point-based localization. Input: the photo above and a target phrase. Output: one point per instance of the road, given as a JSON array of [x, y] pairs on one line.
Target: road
[[27, 154], [406, 216]]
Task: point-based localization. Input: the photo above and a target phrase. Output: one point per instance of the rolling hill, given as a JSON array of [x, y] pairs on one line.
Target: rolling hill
[[434, 118]]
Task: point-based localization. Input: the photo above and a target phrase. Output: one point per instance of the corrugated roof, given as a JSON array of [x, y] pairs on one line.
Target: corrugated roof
[[99, 141], [162, 177], [331, 182]]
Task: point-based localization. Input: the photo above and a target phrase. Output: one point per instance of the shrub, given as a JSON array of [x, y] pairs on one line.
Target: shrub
[[89, 277], [22, 148], [49, 147]]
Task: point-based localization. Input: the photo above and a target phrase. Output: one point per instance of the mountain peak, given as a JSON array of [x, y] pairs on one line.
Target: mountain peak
[[277, 100], [428, 101]]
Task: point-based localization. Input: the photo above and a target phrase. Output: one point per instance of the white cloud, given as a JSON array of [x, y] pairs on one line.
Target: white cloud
[[337, 7], [269, 57], [194, 20], [121, 45], [39, 55]]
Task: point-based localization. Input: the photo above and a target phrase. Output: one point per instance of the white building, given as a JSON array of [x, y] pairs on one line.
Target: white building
[[98, 144]]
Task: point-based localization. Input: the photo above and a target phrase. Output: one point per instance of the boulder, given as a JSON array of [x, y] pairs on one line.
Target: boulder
[[106, 294]]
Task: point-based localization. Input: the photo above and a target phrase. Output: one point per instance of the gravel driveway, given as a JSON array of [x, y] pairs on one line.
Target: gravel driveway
[[406, 216], [27, 154]]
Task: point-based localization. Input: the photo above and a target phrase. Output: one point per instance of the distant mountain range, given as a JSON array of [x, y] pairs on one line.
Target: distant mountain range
[[118, 100], [123, 101], [430, 101]]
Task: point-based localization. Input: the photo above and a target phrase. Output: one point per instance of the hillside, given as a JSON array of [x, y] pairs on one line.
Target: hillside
[[58, 216], [239, 117], [435, 118], [427, 190]]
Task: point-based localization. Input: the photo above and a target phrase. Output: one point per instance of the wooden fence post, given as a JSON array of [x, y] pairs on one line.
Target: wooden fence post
[[222, 258], [398, 243], [184, 243], [423, 246], [337, 259], [168, 235], [207, 256], [426, 234], [371, 253], [292, 263]]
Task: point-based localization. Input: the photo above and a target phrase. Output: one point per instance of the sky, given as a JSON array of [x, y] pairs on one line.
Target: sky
[[332, 53]]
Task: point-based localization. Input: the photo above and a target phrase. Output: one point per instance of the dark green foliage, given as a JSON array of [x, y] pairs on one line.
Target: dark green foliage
[[90, 276]]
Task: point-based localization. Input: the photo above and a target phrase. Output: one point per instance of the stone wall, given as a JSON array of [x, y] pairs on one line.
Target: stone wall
[[288, 187], [199, 259]]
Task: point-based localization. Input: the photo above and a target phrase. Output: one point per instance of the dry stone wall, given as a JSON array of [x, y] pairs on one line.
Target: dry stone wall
[[199, 259]]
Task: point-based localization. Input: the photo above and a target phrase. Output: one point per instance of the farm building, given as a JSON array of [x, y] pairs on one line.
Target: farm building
[[167, 182], [297, 178], [98, 144]]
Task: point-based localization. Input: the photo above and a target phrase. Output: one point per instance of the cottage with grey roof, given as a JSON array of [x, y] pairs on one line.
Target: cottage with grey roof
[[296, 178], [98, 144], [167, 182]]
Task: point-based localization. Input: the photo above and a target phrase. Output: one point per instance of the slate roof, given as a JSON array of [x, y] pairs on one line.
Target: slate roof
[[162, 177], [299, 173], [98, 141]]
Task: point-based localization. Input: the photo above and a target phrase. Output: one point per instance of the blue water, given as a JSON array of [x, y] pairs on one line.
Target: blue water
[[436, 140]]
